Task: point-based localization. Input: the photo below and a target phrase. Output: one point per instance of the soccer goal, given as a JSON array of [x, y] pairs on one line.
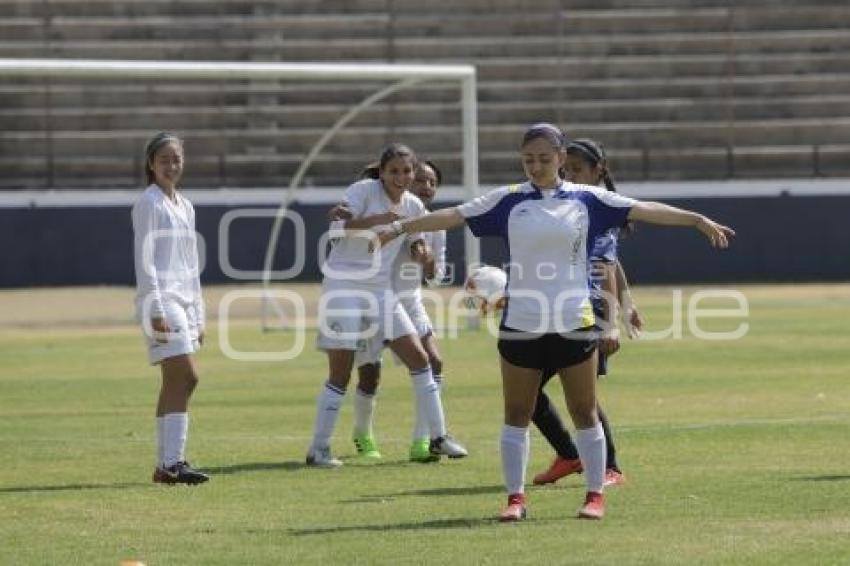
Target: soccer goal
[[392, 78]]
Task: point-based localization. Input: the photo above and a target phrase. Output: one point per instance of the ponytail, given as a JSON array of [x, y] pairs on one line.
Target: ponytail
[[371, 171], [608, 180]]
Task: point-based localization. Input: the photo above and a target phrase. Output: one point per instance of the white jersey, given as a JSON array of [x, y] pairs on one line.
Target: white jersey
[[166, 254], [350, 258], [548, 235], [408, 273]]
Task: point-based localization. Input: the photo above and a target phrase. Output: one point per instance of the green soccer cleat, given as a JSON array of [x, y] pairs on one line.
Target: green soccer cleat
[[420, 451], [366, 447]]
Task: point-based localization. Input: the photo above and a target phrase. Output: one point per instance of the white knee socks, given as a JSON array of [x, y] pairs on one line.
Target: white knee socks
[[515, 446]]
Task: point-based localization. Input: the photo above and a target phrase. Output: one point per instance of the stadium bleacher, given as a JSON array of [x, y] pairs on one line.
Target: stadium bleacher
[[677, 89]]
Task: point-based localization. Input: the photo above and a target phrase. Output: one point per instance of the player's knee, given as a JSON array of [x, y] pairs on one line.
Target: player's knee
[[191, 380], [584, 415], [368, 378], [418, 359], [517, 415]]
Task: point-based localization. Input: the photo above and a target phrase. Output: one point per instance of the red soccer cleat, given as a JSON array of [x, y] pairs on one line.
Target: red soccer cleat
[[594, 506], [560, 468], [614, 477], [515, 511]]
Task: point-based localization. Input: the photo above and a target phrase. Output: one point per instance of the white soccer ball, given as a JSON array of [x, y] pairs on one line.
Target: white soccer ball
[[485, 288]]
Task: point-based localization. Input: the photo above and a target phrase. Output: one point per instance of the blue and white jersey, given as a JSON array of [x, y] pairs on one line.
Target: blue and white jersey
[[604, 250], [605, 246], [549, 236]]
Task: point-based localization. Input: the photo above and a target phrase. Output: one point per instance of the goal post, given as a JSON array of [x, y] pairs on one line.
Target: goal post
[[396, 77]]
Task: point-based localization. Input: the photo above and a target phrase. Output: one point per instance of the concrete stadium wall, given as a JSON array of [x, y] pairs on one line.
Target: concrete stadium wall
[[780, 239]]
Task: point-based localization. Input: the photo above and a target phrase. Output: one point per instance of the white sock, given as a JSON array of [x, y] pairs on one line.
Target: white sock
[[421, 428], [428, 401], [327, 411], [175, 429], [438, 379], [160, 441], [515, 446], [591, 449], [364, 411]]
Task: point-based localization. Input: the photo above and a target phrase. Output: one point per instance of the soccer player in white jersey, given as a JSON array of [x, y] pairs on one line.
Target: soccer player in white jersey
[[168, 300], [358, 303], [548, 225], [408, 274]]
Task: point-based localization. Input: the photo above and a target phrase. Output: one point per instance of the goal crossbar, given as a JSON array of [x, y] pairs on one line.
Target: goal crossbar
[[399, 76]]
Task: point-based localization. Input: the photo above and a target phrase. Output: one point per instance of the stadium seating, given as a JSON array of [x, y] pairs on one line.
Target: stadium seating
[[677, 89]]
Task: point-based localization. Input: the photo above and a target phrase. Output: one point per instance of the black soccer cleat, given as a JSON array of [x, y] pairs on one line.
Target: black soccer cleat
[[181, 472]]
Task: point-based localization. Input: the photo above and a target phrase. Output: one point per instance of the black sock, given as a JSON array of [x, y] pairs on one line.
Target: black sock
[[546, 419], [610, 449]]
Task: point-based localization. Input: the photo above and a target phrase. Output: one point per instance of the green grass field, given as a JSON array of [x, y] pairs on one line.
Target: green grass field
[[736, 453]]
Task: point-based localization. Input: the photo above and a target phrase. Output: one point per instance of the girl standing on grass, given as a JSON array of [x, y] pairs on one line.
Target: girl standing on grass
[[549, 225], [168, 300]]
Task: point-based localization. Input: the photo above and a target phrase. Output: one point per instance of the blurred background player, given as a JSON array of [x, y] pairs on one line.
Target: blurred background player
[[358, 303], [548, 320], [168, 300]]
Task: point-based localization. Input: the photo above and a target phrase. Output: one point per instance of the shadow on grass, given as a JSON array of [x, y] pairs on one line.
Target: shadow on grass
[[842, 477], [292, 466], [450, 492], [437, 491], [253, 467], [71, 487], [435, 524], [460, 490]]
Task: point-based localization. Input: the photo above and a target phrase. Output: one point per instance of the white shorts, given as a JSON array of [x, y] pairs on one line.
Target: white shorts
[[349, 314], [370, 351], [418, 315], [182, 338]]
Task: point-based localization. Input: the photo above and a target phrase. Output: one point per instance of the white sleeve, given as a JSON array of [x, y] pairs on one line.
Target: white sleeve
[[144, 231], [438, 247], [414, 210], [200, 308], [356, 197], [610, 198]]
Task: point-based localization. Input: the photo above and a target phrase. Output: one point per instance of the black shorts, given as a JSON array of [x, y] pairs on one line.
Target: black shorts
[[546, 351]]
